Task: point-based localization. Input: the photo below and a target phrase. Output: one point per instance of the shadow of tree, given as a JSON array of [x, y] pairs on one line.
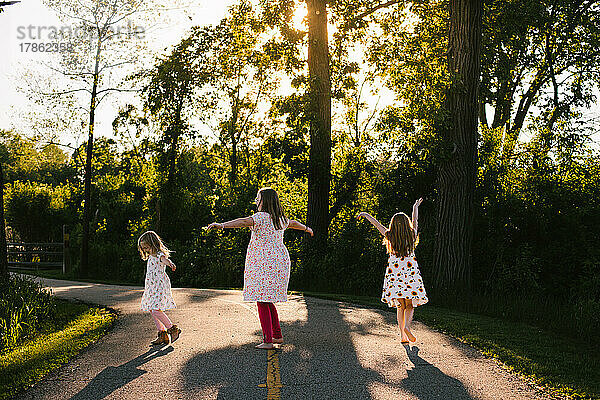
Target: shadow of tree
[[318, 361]]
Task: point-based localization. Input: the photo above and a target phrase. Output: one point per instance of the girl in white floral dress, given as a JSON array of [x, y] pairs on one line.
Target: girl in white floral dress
[[403, 285], [157, 295], [267, 269]]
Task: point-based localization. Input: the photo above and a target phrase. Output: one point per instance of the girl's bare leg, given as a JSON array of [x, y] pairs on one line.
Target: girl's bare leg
[[400, 314], [408, 316]]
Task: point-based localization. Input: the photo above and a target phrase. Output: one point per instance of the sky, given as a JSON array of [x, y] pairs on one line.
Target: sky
[[174, 21], [14, 59]]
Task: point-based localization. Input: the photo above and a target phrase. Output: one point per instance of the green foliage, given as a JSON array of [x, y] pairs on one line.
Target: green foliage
[[25, 161], [37, 211], [74, 327], [537, 207], [24, 307]]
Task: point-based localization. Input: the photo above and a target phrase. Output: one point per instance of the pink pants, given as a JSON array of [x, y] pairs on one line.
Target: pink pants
[[161, 320], [269, 321]]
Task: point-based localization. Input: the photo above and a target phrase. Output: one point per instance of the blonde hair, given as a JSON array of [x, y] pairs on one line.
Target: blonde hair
[[155, 243], [269, 203], [400, 238]]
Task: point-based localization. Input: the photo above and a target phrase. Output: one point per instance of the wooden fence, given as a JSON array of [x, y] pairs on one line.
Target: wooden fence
[[36, 256]]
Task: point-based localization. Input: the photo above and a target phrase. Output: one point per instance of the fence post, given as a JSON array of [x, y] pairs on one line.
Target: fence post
[[66, 253]]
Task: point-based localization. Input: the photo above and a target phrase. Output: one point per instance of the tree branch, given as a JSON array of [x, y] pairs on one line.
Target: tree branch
[[117, 90], [371, 11], [66, 92]]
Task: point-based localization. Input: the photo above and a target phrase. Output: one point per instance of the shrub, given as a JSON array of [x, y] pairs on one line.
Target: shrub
[[24, 307]]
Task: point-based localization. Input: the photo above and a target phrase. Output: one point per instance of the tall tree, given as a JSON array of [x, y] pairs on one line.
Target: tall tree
[[329, 78], [170, 98], [90, 68], [245, 65], [319, 110], [540, 55], [3, 259], [225, 76], [459, 134]]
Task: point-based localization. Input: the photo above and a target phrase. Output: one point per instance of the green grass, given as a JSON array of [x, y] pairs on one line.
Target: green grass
[[560, 366], [75, 327]]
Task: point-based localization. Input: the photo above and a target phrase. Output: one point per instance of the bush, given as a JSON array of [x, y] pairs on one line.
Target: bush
[[24, 306], [38, 211], [586, 303]]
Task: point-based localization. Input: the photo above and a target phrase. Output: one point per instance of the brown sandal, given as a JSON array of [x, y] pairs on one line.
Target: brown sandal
[[174, 332]]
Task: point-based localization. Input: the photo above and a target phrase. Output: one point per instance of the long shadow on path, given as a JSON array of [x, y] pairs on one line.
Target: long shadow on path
[[427, 382], [112, 378], [323, 363], [320, 361]]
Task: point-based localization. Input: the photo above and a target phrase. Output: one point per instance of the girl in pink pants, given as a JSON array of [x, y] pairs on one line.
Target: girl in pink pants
[[267, 269]]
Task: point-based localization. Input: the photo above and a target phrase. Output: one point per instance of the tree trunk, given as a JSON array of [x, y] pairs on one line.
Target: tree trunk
[[87, 197], [457, 172], [3, 260], [233, 157], [319, 110]]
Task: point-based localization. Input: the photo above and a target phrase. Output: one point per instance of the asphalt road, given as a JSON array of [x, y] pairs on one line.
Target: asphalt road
[[332, 350]]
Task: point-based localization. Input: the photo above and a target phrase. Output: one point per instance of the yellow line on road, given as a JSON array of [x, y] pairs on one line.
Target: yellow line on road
[[273, 384]]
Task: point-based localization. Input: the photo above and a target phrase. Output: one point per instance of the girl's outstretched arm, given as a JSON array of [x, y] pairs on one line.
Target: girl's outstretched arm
[[415, 213], [372, 220], [234, 223], [301, 227], [166, 261]]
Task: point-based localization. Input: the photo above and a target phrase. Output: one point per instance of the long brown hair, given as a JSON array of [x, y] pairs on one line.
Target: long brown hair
[[155, 243], [269, 203], [400, 238]]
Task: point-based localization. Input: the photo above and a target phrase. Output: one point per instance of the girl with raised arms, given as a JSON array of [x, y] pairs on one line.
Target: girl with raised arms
[[403, 285]]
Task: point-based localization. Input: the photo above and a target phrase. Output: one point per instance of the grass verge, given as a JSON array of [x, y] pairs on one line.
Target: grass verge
[[560, 366], [76, 327]]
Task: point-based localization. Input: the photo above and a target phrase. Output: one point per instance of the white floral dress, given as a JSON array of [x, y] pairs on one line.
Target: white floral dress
[[267, 269], [403, 281], [157, 288]]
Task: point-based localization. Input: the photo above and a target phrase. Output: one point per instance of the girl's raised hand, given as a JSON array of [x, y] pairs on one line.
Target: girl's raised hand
[[361, 214], [418, 202], [309, 230], [214, 225]]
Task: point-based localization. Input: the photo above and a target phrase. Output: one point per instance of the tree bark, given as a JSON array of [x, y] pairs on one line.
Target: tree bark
[[233, 157], [84, 264], [457, 172], [319, 110], [3, 259], [176, 130]]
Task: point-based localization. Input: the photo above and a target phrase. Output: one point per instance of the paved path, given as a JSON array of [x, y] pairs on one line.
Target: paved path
[[333, 351]]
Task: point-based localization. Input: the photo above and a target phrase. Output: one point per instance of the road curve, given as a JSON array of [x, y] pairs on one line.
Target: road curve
[[333, 350]]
